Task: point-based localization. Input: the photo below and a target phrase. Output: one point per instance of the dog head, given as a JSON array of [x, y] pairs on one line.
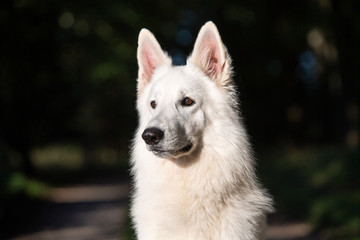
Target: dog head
[[174, 101]]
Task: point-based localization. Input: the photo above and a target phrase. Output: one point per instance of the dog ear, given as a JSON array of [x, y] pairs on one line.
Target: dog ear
[[211, 56], [150, 56]]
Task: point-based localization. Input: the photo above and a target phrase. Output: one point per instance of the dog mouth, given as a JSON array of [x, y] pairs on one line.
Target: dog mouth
[[186, 148], [164, 153]]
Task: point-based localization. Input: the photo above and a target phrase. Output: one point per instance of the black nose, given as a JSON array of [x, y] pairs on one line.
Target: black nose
[[152, 135]]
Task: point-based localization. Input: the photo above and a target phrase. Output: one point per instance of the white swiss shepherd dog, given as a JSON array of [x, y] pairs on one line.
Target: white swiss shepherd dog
[[193, 170]]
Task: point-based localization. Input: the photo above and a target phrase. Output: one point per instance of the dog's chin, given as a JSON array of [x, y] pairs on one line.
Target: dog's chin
[[171, 154]]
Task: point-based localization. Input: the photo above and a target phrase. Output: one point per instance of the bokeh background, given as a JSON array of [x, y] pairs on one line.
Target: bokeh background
[[68, 86]]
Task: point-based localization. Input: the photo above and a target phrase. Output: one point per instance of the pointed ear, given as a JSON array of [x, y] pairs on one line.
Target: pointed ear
[[211, 56], [150, 56]]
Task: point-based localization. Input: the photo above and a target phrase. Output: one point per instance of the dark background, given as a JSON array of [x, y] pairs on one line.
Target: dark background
[[68, 85]]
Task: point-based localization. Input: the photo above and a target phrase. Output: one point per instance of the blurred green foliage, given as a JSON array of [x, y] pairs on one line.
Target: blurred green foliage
[[18, 183], [20, 199], [320, 184]]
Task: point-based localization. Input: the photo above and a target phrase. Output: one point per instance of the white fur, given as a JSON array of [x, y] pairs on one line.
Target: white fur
[[211, 191]]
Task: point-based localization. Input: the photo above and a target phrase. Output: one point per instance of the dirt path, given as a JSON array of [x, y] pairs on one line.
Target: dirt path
[[98, 211], [82, 212]]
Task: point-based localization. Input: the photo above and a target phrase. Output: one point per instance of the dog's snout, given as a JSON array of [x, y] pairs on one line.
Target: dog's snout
[[152, 136]]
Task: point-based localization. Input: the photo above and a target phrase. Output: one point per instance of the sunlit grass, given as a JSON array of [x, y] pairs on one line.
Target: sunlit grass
[[60, 164], [74, 157], [65, 156]]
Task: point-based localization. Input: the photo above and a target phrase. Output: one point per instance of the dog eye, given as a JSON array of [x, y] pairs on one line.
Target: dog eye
[[187, 101], [153, 104]]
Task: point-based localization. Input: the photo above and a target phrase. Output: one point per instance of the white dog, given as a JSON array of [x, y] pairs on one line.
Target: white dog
[[191, 160]]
